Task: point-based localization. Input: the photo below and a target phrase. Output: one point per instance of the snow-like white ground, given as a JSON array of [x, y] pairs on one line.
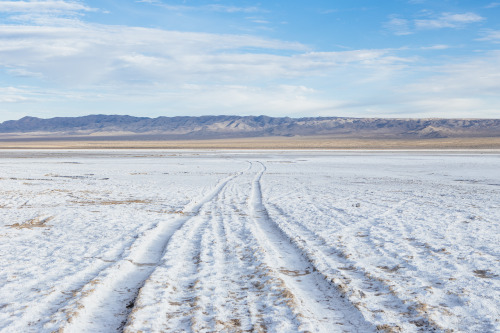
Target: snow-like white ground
[[176, 241]]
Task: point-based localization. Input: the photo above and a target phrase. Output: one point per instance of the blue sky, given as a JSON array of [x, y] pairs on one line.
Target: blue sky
[[394, 58]]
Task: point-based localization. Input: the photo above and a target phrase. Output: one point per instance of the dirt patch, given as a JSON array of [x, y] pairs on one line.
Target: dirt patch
[[112, 202], [62, 176], [348, 268], [294, 273], [388, 328], [484, 274], [390, 269], [179, 212], [312, 142], [232, 325], [37, 222]]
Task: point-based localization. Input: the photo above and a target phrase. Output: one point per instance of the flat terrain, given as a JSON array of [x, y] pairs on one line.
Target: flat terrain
[[237, 241], [309, 142]]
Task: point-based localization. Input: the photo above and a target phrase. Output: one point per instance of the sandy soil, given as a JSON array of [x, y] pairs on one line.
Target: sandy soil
[[267, 143]]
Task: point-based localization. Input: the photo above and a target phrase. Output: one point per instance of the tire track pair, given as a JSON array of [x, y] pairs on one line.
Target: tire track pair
[[318, 303], [105, 302], [229, 288]]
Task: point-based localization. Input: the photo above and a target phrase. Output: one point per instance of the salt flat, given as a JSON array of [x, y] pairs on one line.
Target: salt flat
[[277, 241]]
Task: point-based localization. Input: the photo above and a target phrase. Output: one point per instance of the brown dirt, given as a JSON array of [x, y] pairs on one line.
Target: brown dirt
[[267, 143], [36, 222], [112, 202]]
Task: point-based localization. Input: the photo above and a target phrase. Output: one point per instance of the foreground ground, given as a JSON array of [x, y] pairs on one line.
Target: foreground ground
[[102, 241]]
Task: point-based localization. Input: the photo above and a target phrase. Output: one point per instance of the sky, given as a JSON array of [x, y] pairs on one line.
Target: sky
[[356, 58]]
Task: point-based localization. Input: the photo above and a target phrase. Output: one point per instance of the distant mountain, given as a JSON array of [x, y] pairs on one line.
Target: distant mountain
[[212, 127]]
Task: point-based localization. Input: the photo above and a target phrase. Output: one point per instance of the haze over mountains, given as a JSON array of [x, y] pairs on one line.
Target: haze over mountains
[[214, 127]]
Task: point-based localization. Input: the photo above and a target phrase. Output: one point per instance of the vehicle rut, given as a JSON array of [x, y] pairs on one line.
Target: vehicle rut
[[213, 279], [318, 303], [225, 265], [355, 282], [105, 302]]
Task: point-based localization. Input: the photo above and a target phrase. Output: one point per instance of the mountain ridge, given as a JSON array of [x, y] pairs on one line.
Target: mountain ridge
[[231, 126]]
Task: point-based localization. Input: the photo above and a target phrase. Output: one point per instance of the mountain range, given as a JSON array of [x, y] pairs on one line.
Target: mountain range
[[219, 127]]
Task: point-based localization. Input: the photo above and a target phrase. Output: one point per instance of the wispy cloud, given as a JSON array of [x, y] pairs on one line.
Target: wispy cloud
[[21, 72], [196, 73], [86, 54], [42, 6], [490, 36], [231, 9], [258, 20], [13, 95], [209, 7], [468, 78], [436, 47], [401, 26], [448, 20], [109, 67], [278, 100], [492, 5], [43, 13]]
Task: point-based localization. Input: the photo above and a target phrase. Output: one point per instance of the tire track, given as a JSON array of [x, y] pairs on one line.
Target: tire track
[[226, 288], [178, 279], [104, 303], [61, 296], [373, 296], [318, 303], [224, 296], [257, 296]]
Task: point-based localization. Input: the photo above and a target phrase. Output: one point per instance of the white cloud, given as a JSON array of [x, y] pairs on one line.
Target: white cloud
[[209, 7], [231, 9], [399, 26], [479, 76], [44, 13], [436, 47], [108, 68], [14, 95], [492, 5], [459, 107], [129, 69], [186, 99], [41, 6], [448, 20], [491, 36], [278, 100], [467, 88], [21, 72], [258, 20], [86, 54]]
